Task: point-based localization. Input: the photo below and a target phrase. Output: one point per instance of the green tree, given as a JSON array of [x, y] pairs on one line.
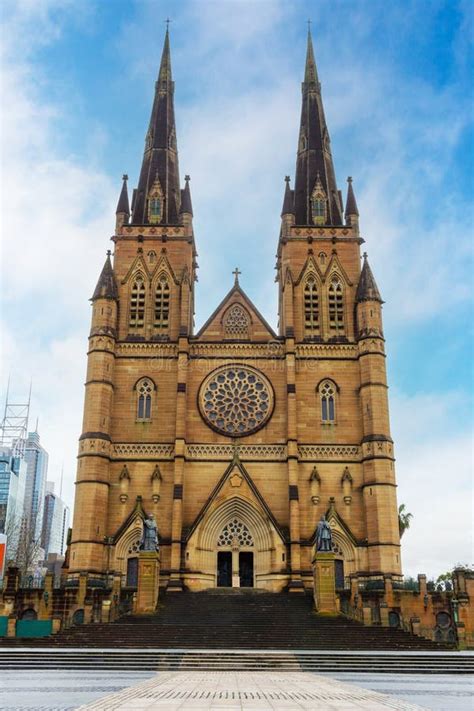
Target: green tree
[[404, 519]]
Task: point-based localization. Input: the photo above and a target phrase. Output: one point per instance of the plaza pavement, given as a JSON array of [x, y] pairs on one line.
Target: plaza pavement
[[238, 691], [52, 689]]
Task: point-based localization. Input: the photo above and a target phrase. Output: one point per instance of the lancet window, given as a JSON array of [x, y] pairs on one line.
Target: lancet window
[[155, 202], [327, 395], [144, 399], [137, 303], [162, 303], [318, 203], [336, 305], [311, 306], [318, 207]]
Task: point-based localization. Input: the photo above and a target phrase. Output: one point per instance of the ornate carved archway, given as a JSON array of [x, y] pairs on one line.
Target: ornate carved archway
[[259, 536]]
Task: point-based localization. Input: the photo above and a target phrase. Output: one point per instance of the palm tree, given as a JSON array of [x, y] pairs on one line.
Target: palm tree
[[404, 519]]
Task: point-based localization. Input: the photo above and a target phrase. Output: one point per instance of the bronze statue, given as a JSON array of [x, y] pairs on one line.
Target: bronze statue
[[149, 541], [323, 536]]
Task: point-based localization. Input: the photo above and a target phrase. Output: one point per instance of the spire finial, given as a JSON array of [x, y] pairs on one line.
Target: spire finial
[[236, 273], [287, 178], [311, 73], [124, 176], [365, 255], [187, 178], [167, 23], [109, 252]]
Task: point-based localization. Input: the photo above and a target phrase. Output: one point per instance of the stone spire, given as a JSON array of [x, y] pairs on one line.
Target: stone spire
[[351, 205], [314, 152], [367, 289], [160, 170], [123, 206], [186, 204], [106, 286], [287, 208]]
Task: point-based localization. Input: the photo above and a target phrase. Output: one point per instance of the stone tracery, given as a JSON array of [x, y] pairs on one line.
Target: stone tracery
[[236, 322], [235, 529], [236, 400]]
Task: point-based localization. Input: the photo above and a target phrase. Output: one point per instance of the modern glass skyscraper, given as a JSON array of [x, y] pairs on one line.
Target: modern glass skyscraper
[[55, 522], [36, 458], [12, 491]]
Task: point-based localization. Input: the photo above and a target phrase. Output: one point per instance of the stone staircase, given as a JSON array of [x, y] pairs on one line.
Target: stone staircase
[[153, 660], [229, 630]]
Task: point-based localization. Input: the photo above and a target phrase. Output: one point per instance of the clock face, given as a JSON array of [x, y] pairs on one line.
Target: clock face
[[236, 400]]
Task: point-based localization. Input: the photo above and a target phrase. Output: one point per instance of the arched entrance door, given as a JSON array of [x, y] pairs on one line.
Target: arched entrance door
[[235, 552]]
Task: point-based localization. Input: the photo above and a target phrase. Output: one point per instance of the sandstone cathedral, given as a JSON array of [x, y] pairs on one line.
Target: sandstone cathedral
[[236, 438]]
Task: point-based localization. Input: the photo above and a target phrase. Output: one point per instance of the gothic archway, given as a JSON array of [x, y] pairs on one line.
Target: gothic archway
[[237, 527]]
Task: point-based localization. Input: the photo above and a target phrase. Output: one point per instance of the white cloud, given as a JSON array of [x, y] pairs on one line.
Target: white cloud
[[57, 212], [435, 480]]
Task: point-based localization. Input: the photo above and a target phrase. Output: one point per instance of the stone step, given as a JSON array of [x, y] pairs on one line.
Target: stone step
[[169, 660], [247, 620]]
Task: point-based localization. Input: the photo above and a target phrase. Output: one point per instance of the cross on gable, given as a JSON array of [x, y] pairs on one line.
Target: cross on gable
[[236, 274]]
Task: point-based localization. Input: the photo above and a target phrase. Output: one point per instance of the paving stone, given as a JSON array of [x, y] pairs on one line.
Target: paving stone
[[246, 691]]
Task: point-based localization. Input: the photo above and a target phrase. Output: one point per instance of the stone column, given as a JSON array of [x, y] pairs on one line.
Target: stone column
[[324, 583], [235, 563], [148, 582]]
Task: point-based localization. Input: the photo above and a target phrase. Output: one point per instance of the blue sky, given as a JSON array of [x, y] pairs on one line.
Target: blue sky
[[78, 81]]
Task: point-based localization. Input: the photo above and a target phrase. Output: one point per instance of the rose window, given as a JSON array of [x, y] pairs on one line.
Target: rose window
[[235, 530], [236, 400]]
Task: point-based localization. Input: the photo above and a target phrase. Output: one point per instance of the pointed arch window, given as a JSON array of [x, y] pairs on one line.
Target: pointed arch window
[[145, 388], [154, 209], [327, 396], [336, 305], [155, 202], [137, 303], [311, 306], [318, 208], [162, 302], [236, 322]]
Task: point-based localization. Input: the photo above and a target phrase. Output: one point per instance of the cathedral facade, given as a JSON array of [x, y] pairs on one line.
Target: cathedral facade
[[236, 438]]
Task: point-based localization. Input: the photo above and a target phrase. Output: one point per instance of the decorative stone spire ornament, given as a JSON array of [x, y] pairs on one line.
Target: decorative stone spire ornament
[[106, 286], [351, 204], [367, 289], [287, 208]]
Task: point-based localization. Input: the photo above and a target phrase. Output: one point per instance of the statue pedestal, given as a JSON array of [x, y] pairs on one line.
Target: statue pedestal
[[325, 583], [148, 581]]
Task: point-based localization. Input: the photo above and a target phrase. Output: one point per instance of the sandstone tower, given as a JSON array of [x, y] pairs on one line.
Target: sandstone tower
[[236, 438]]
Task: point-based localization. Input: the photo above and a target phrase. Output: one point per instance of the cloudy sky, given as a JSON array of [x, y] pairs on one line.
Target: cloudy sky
[[77, 82]]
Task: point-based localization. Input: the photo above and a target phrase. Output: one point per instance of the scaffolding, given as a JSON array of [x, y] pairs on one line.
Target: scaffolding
[[14, 426]]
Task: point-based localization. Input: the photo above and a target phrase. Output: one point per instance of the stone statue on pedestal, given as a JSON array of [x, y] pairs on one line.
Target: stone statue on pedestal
[[323, 536], [149, 541]]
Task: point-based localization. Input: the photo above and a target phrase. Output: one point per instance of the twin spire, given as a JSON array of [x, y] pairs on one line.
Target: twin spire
[[315, 176]]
